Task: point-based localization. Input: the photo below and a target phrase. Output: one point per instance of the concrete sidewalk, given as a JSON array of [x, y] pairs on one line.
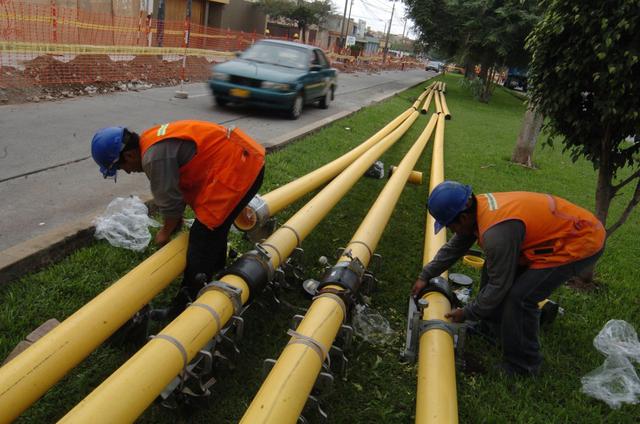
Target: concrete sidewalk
[[53, 245]]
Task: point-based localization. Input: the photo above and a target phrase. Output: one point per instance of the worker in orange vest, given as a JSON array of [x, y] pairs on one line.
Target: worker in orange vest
[[532, 242], [214, 170]]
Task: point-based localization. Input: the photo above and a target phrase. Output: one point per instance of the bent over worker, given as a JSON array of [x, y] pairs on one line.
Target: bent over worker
[[532, 242], [214, 170]]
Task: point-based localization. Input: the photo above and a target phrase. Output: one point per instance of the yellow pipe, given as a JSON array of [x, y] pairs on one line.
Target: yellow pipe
[[21, 383], [286, 389], [128, 391], [436, 397], [283, 196], [427, 103], [436, 98], [143, 377], [29, 375], [443, 104], [326, 199]]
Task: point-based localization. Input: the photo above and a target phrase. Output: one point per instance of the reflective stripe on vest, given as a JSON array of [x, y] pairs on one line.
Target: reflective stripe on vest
[[557, 232], [224, 167]]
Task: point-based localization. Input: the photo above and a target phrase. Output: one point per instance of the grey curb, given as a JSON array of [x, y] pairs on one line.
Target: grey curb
[[39, 252]]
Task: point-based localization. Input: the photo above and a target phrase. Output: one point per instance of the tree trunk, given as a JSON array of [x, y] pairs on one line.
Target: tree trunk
[[604, 193], [303, 33], [604, 190], [484, 77], [469, 70], [531, 126]]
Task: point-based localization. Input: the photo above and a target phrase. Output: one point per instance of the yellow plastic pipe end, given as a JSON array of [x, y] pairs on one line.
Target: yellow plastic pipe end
[[415, 177], [247, 219], [473, 261]]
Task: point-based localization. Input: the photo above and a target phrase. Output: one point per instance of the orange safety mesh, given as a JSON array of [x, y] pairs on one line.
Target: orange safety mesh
[[49, 45], [42, 45]]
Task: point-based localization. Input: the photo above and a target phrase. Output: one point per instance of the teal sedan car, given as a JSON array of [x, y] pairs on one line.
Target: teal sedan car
[[276, 74]]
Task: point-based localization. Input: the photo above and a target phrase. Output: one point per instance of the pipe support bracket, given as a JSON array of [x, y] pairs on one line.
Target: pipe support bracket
[[318, 347], [177, 344], [233, 293], [437, 324], [336, 298], [212, 311]]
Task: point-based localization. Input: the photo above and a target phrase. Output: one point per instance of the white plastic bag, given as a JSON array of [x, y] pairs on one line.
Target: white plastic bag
[[125, 224], [371, 326], [618, 337], [615, 382]]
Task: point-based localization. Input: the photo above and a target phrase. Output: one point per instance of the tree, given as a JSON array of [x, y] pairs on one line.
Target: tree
[[526, 143], [300, 12], [584, 77], [490, 33]]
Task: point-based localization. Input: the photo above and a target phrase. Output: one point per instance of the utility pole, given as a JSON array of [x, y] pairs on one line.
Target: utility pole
[[386, 43], [348, 22], [403, 29], [344, 16]]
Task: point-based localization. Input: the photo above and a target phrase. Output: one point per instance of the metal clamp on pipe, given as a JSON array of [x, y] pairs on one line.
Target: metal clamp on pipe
[[346, 275], [437, 324], [255, 268], [233, 293], [440, 285]]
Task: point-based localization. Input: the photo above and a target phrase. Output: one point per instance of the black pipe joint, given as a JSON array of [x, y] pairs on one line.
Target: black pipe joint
[[346, 275], [440, 285], [255, 270]]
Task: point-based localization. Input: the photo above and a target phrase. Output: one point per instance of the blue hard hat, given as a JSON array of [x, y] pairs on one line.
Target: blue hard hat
[[446, 201], [106, 146]]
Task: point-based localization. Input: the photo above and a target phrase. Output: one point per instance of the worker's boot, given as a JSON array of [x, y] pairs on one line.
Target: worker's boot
[[186, 295], [178, 304]]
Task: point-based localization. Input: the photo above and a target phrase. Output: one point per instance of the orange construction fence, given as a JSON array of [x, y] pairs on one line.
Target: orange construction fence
[[44, 45]]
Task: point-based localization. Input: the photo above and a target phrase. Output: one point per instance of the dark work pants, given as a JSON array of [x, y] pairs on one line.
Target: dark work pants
[[207, 250], [518, 316]]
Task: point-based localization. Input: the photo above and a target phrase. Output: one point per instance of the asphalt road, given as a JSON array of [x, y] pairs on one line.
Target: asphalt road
[[47, 176]]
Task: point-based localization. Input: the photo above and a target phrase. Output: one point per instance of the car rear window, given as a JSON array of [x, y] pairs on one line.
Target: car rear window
[[290, 57]]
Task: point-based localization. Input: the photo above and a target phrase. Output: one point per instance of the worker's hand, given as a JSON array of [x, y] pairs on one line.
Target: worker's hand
[[417, 287], [162, 237], [171, 226], [456, 315]]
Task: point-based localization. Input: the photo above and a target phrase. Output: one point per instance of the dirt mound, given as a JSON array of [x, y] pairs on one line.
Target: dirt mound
[[48, 77]]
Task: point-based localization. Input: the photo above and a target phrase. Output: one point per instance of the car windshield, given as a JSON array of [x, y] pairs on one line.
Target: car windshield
[[275, 54]]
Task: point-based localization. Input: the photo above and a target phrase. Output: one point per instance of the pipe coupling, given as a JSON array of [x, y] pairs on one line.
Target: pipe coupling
[[346, 275], [255, 268]]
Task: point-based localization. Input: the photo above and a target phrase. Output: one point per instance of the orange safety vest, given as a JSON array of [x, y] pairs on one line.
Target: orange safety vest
[[224, 167], [557, 232]]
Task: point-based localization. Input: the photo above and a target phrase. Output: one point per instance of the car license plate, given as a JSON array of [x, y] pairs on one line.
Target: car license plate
[[238, 92]]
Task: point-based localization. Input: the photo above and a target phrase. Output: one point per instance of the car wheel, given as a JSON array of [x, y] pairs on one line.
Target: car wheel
[[296, 108], [221, 102], [324, 102]]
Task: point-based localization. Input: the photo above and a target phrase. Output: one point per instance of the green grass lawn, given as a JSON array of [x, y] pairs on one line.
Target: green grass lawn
[[377, 388]]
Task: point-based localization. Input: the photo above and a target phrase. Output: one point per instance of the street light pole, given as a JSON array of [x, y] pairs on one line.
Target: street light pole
[[386, 42]]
